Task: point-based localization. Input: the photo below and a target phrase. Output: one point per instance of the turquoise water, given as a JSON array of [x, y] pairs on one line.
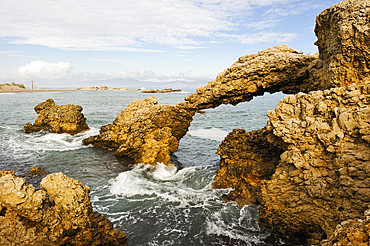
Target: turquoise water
[[161, 206]]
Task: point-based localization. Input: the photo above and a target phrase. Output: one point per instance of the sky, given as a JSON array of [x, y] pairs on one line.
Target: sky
[[70, 43]]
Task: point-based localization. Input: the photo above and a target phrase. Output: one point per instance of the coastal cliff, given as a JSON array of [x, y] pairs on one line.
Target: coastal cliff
[[60, 213], [58, 119], [308, 168]]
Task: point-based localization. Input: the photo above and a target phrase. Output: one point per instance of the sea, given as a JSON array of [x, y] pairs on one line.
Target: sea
[[153, 206]]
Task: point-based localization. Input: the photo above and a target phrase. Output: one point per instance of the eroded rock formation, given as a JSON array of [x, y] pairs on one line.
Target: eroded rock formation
[[351, 232], [60, 213], [58, 119], [279, 68], [322, 176], [247, 158], [145, 131], [343, 39]]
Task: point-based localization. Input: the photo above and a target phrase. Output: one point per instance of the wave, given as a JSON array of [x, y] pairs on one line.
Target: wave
[[212, 133], [41, 141], [165, 182]]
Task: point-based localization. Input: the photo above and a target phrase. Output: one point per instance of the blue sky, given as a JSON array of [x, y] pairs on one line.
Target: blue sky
[[70, 43]]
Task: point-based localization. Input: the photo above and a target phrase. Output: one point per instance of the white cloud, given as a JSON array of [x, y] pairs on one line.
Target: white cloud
[[262, 24], [65, 71], [12, 53], [263, 37], [48, 71], [114, 25]]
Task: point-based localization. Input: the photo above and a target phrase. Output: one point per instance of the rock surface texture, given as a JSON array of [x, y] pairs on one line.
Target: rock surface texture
[[351, 232], [247, 158], [58, 119], [145, 131], [60, 213], [343, 34], [323, 176], [279, 68]]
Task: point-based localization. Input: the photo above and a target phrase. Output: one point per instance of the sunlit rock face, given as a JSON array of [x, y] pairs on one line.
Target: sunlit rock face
[[279, 68], [58, 119], [308, 168], [145, 131], [343, 39], [323, 175], [60, 213]]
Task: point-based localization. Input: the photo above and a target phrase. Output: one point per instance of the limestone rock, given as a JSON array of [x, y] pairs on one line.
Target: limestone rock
[[60, 213], [322, 177], [351, 232], [247, 158], [279, 68], [145, 131], [343, 33], [58, 119]]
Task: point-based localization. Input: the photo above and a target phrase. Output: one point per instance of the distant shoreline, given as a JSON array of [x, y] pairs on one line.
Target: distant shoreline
[[7, 89]]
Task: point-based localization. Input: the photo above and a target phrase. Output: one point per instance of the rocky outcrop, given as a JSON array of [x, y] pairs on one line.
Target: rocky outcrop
[[343, 40], [321, 176], [343, 34], [60, 213], [58, 119], [145, 131], [247, 158], [351, 232], [279, 68]]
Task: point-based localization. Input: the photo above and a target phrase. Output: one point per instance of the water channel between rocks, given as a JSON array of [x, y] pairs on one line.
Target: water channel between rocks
[[163, 206]]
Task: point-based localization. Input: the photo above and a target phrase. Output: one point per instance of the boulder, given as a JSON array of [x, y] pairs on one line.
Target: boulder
[[145, 131], [58, 119], [60, 213]]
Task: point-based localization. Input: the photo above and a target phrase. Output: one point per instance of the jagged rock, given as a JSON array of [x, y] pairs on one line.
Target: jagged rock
[[247, 158], [351, 232], [323, 175], [343, 34], [279, 68], [60, 213], [145, 131], [58, 119]]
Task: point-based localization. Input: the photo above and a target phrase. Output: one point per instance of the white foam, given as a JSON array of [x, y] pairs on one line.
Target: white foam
[[224, 223], [161, 181], [212, 133], [42, 141]]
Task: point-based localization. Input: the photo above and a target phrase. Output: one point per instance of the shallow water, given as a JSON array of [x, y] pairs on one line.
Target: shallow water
[[154, 206]]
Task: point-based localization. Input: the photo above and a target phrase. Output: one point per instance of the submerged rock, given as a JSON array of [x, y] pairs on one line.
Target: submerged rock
[[60, 213], [58, 119], [145, 131]]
